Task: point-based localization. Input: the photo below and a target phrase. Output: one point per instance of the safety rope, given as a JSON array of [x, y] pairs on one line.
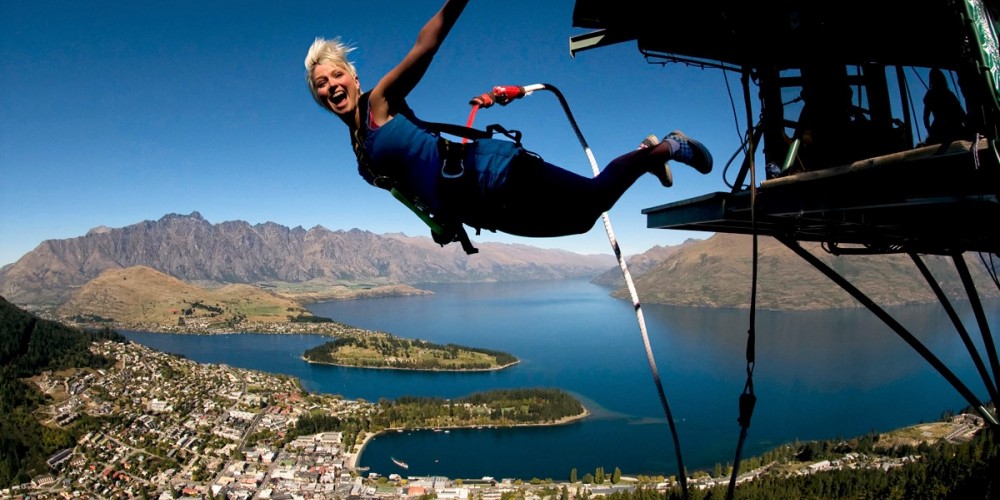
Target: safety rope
[[747, 399], [503, 95]]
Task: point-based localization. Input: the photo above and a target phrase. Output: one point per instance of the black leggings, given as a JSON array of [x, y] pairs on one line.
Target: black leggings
[[542, 200]]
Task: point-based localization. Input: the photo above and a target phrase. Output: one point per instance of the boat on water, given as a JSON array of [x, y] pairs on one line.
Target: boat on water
[[399, 462]]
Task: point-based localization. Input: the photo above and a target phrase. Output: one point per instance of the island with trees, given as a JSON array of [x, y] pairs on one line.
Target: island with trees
[[382, 350], [494, 408]]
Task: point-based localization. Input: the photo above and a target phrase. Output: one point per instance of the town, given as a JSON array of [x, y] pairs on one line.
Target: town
[[175, 428]]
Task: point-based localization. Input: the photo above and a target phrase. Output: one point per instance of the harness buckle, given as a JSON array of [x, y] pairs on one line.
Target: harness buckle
[[445, 169], [452, 159]]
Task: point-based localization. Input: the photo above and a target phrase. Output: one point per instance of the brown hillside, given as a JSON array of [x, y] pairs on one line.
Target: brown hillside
[[640, 264], [717, 272], [141, 295]]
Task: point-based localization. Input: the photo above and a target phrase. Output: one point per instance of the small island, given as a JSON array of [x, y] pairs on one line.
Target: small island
[[382, 350]]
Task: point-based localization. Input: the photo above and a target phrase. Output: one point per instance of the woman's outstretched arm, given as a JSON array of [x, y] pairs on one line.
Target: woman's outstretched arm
[[398, 82]]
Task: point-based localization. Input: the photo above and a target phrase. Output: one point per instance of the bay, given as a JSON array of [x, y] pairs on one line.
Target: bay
[[818, 375]]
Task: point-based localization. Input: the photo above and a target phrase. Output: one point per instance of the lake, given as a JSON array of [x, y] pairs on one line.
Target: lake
[[818, 375]]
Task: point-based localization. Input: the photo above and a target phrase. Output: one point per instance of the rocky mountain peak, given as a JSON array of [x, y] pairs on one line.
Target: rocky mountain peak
[[191, 249]]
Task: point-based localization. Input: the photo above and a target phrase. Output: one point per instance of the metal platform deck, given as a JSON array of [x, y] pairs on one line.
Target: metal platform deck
[[934, 199]]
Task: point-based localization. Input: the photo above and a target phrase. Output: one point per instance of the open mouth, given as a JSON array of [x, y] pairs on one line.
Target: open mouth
[[338, 97]]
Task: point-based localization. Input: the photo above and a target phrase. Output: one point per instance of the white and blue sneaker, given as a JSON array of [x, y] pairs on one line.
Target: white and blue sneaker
[[690, 152]]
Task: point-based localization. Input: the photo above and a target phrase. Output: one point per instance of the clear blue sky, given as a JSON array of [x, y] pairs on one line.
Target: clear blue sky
[[112, 112]]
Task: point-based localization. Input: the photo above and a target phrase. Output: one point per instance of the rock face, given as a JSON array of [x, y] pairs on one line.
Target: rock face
[[192, 249]]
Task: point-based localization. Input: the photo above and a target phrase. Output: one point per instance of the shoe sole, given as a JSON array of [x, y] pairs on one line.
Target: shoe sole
[[668, 177], [667, 180]]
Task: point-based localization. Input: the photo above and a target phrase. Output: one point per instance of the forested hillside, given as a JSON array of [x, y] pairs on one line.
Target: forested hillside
[[959, 471], [499, 407], [28, 347]]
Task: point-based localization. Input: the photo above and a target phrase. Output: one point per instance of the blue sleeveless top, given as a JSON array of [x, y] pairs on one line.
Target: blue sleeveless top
[[404, 149]]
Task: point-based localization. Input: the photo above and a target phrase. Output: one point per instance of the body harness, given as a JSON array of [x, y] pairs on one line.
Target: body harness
[[446, 227]]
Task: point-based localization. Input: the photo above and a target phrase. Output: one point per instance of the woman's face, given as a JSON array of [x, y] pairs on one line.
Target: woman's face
[[336, 87]]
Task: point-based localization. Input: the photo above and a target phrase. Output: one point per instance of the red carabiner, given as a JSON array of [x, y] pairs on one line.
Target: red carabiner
[[504, 94]]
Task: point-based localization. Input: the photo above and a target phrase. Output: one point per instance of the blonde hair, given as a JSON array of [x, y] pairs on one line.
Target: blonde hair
[[330, 52]]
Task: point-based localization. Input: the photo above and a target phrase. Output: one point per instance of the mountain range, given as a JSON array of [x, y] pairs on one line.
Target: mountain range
[[196, 251], [319, 264]]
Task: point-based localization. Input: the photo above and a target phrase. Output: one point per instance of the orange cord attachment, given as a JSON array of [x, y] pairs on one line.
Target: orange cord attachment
[[472, 118], [501, 94]]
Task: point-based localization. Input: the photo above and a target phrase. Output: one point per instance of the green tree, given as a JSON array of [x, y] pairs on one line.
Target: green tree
[[572, 475], [616, 476]]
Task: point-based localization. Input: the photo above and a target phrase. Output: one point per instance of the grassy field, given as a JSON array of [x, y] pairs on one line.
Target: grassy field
[[356, 356], [140, 295]]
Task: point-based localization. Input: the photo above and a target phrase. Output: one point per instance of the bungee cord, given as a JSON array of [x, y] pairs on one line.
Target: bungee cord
[[503, 95]]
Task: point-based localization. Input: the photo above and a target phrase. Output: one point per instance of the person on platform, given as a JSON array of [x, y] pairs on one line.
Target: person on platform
[[948, 122]]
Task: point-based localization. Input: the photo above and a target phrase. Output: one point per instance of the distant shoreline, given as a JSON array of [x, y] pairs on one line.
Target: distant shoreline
[[353, 458], [331, 329]]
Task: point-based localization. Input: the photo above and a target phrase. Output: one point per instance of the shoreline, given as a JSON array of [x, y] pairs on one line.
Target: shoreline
[[331, 329], [353, 458]]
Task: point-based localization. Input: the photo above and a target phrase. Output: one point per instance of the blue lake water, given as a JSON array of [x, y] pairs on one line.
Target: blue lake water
[[818, 375]]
